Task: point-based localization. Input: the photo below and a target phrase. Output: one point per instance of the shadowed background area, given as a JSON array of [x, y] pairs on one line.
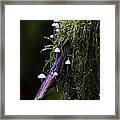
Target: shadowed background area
[[31, 61]]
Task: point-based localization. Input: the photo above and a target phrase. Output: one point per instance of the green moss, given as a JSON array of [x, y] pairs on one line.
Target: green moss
[[82, 37]]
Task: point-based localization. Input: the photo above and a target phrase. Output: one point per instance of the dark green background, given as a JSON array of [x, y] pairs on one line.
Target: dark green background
[[31, 61]]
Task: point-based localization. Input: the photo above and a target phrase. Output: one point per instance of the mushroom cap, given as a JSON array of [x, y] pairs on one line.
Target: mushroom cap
[[51, 36], [57, 30], [55, 74], [67, 62], [55, 25], [57, 50], [41, 76]]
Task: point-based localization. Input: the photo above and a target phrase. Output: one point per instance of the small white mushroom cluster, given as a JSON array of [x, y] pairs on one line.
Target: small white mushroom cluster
[[67, 62], [42, 76], [56, 25]]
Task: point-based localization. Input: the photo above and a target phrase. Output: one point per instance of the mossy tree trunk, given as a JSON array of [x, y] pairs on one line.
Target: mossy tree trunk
[[81, 38]]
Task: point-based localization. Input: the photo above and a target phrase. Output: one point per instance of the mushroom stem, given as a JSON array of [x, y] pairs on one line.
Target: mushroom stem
[[57, 55], [57, 51], [67, 69], [67, 65], [42, 79]]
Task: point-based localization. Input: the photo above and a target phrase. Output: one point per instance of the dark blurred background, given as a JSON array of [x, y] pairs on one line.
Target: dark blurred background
[[32, 40]]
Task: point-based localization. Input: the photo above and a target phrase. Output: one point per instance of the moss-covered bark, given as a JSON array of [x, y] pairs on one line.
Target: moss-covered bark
[[82, 40]]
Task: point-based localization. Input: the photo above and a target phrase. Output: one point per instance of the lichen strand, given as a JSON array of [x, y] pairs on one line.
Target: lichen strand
[[82, 40]]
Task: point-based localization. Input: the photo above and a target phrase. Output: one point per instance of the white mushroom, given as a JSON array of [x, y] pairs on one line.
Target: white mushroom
[[57, 30], [56, 25], [55, 74], [67, 62], [53, 24], [42, 77], [51, 36], [57, 50]]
